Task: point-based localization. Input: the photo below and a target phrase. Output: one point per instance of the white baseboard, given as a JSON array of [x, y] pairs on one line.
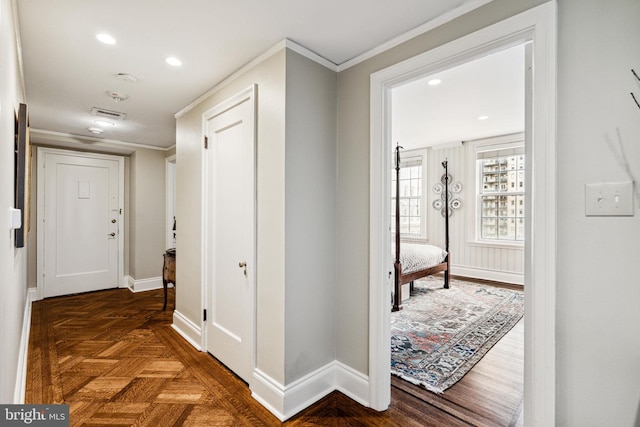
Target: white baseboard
[[286, 401], [142, 285], [23, 355], [495, 275], [352, 384], [187, 330]]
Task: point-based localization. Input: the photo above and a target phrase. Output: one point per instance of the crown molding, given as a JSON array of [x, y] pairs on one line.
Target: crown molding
[[59, 137], [427, 26], [284, 44]]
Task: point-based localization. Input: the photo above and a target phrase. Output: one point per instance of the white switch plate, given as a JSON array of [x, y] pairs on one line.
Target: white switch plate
[[609, 199], [15, 218]]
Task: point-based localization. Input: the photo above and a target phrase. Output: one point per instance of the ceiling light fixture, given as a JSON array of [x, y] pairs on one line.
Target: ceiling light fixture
[[95, 131], [172, 60], [106, 38], [104, 123], [117, 96], [483, 117], [434, 82]]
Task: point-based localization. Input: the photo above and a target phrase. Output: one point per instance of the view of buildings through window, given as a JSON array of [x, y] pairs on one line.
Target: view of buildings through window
[[502, 192]]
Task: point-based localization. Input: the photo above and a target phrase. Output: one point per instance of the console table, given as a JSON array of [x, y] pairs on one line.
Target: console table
[[168, 272]]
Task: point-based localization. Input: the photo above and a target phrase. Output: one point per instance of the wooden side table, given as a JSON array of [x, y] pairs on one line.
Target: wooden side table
[[168, 272]]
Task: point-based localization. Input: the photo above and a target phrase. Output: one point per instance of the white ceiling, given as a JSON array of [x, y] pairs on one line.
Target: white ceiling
[[491, 86], [68, 72]]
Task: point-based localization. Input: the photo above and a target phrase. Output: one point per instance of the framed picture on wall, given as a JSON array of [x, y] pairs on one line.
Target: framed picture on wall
[[22, 173]]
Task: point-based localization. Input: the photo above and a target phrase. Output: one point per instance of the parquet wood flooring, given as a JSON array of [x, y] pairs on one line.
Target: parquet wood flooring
[[114, 358]]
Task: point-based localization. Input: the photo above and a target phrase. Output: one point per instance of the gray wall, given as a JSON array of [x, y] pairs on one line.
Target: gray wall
[[269, 75], [598, 128], [13, 261], [146, 225], [310, 216], [296, 181], [598, 316], [353, 172]]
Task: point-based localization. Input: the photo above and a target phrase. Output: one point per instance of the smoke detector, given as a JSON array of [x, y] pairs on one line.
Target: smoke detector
[[117, 96], [95, 131]]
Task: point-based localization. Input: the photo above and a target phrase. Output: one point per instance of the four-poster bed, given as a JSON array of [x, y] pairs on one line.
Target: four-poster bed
[[414, 261]]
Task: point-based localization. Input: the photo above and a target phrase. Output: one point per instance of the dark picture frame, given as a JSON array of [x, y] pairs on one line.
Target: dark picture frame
[[22, 173]]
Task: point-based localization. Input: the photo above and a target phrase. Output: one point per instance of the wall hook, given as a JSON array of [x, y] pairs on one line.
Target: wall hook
[[632, 95]]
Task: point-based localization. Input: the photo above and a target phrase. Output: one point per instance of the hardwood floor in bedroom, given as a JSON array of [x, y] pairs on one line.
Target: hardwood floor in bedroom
[[114, 358]]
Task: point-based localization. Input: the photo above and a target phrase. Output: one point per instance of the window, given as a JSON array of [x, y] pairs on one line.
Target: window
[[412, 211], [501, 193]]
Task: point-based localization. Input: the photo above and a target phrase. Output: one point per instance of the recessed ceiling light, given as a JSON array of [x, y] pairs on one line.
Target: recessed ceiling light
[[104, 123], [106, 38], [434, 82], [483, 117], [95, 131], [172, 60]]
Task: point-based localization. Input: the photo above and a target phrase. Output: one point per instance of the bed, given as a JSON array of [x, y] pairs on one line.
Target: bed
[[413, 261]]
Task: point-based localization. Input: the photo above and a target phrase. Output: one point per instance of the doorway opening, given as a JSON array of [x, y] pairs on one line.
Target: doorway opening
[[537, 27], [472, 116]]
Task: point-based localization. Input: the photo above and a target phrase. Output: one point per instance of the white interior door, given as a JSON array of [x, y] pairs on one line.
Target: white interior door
[[81, 223], [230, 233]]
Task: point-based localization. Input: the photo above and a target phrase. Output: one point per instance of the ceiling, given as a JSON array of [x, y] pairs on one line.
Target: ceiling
[[478, 99], [68, 71]]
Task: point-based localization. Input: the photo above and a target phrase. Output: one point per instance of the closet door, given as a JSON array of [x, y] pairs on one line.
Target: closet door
[[230, 233]]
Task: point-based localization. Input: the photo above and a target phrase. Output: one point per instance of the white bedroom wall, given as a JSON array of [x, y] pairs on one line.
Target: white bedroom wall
[[468, 258], [598, 316], [13, 261]]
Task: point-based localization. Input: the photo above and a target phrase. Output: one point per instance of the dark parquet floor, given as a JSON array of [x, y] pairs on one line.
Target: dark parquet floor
[[114, 358]]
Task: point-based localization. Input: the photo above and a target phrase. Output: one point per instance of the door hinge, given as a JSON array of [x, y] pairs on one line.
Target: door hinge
[[206, 142], [204, 315]]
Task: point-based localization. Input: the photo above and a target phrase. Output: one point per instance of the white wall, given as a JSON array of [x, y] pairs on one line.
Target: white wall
[[13, 262], [468, 258], [598, 316]]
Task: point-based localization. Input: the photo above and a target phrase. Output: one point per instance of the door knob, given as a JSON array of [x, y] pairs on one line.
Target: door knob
[[112, 234], [243, 265]]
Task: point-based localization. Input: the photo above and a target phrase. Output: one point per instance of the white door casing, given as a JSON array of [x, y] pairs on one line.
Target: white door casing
[[80, 222], [229, 232], [538, 26]]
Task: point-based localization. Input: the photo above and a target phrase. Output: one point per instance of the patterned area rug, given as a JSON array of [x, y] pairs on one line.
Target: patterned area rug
[[441, 333]]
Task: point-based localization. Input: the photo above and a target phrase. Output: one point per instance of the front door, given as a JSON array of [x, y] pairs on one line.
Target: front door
[[230, 232], [81, 222]]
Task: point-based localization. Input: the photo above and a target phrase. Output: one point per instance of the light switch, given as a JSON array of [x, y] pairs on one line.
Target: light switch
[[15, 218], [609, 199]]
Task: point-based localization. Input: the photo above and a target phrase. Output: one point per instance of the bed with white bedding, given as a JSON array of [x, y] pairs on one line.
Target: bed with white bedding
[[412, 260]]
